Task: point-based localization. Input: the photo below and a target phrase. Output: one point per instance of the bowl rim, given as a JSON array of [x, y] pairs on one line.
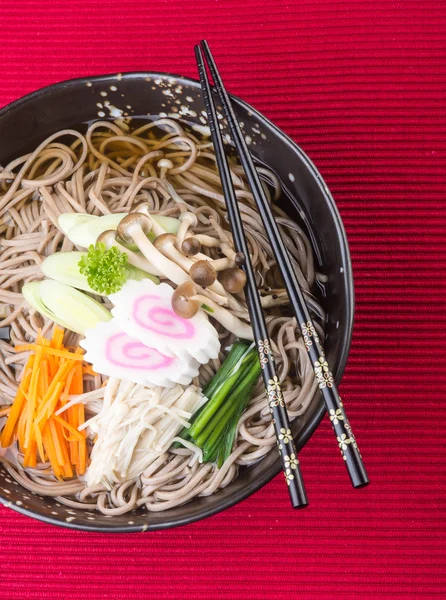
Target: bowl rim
[[311, 427]]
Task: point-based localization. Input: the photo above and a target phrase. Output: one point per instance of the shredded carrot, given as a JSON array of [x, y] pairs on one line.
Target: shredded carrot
[[57, 340], [51, 374], [78, 355], [88, 370], [30, 458], [76, 435]]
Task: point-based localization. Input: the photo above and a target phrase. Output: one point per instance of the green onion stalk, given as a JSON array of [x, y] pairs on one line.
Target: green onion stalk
[[214, 426]]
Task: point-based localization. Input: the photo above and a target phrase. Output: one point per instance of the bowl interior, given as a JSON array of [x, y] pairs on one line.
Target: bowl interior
[[28, 121]]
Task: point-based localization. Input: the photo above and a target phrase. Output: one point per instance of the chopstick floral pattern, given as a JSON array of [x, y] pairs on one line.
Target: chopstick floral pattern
[[344, 433], [264, 350], [322, 372], [308, 331], [336, 415], [274, 393]]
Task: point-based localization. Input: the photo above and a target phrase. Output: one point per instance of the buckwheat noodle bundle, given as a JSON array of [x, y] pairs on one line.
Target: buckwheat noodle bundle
[[109, 169]]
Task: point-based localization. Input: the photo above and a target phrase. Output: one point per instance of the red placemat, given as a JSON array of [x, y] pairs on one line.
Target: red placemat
[[361, 87]]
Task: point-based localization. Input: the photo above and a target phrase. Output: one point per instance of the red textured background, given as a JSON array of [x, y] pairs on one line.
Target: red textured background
[[361, 87]]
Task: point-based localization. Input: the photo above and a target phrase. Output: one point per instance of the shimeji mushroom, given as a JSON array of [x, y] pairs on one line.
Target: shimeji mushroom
[[238, 258], [134, 228], [186, 301], [208, 269], [203, 273], [109, 239], [233, 280], [191, 246], [145, 209], [187, 219], [165, 243], [164, 165], [274, 299]]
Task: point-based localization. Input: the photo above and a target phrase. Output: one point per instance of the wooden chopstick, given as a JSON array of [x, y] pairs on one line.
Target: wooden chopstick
[[285, 442], [341, 426]]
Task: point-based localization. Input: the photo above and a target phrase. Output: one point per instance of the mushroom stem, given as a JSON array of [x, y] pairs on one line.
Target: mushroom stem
[[221, 264], [228, 320], [206, 240], [274, 300], [164, 165], [187, 219], [144, 208], [237, 257], [131, 229], [186, 302], [109, 239], [222, 234], [165, 245]]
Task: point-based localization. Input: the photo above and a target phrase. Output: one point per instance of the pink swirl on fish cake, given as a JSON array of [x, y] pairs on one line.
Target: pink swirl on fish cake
[[161, 320], [124, 351]]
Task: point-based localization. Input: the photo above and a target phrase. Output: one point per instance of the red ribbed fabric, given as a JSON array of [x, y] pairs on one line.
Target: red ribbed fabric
[[361, 87]]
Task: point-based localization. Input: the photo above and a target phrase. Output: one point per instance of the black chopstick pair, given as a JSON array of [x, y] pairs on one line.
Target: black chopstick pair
[[327, 385]]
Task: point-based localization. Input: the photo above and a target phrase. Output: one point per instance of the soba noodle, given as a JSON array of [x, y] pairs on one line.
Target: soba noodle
[[109, 169]]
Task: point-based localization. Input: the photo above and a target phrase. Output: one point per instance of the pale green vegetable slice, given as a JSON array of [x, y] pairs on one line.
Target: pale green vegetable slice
[[86, 233], [88, 228], [31, 293], [67, 221], [64, 267], [169, 224], [65, 305]]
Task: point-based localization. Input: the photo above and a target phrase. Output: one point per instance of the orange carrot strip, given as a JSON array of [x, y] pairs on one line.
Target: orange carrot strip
[[50, 450], [38, 434], [77, 387], [49, 400], [56, 442], [5, 411], [58, 335], [16, 409], [45, 374], [40, 339], [67, 468], [78, 355], [82, 464], [50, 405], [32, 399], [88, 370], [68, 384], [75, 433], [30, 458]]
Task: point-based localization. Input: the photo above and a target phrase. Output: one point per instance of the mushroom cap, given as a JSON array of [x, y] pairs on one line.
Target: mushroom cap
[[191, 246], [165, 163], [166, 239], [203, 273], [132, 221], [184, 301], [141, 207], [190, 218], [239, 259], [108, 238], [233, 280]]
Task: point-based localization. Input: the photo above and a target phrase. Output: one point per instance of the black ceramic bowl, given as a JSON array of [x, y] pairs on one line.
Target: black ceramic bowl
[[26, 122]]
